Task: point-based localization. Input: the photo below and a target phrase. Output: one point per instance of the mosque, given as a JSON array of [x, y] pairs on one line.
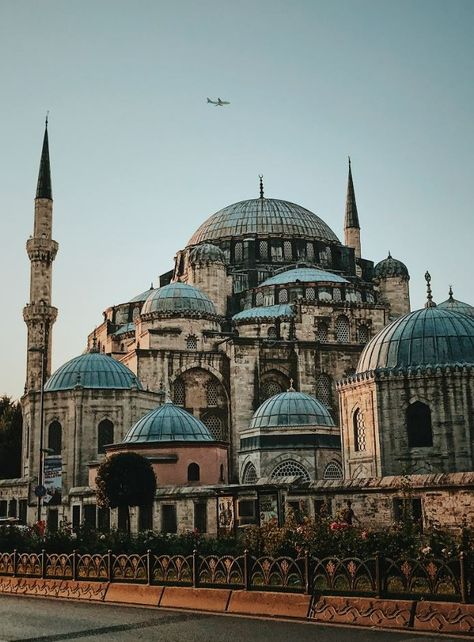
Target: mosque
[[272, 366]]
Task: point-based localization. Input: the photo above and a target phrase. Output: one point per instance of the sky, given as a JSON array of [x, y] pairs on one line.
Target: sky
[[139, 159]]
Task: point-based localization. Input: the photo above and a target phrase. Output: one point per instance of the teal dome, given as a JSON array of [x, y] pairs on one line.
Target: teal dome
[[168, 423], [265, 312], [178, 298], [92, 370], [456, 306], [291, 408], [265, 217], [431, 336], [303, 275], [143, 296]]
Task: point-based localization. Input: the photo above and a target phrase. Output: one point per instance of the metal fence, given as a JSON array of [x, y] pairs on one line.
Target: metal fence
[[377, 576]]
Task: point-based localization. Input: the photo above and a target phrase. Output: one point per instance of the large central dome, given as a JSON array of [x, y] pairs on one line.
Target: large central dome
[[265, 217]]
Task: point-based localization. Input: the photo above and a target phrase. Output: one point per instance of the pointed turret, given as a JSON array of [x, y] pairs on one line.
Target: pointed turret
[[351, 220], [43, 189]]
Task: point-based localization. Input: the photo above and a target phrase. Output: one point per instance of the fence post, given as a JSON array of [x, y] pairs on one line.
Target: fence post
[[74, 565], [246, 571], [148, 566], [43, 564], [378, 574], [463, 577], [14, 562], [195, 578], [306, 572], [109, 565]]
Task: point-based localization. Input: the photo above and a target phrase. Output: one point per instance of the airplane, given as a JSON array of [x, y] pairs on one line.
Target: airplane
[[218, 102]]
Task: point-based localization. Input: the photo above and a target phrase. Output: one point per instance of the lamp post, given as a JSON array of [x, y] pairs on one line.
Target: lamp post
[[42, 350]]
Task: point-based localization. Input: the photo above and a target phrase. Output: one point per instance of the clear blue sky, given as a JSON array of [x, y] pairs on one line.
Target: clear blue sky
[[139, 159]]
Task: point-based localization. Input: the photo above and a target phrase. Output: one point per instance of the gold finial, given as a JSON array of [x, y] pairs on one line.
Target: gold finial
[[261, 185], [429, 302], [291, 389]]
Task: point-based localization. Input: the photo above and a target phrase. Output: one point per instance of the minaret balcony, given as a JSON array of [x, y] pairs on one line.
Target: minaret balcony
[[39, 312], [40, 249]]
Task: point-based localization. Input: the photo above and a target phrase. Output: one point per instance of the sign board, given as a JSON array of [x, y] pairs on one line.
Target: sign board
[[225, 514], [268, 507], [52, 475]]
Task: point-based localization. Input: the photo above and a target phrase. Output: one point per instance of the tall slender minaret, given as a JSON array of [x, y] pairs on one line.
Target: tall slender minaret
[[351, 221], [39, 314]]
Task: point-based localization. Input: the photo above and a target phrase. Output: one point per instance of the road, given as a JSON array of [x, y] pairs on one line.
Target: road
[[43, 620]]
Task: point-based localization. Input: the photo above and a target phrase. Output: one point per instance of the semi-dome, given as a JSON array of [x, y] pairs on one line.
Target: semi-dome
[[456, 306], [92, 370], [303, 275], [168, 423], [431, 336], [291, 408], [206, 253], [390, 267], [281, 310], [266, 217], [178, 297]]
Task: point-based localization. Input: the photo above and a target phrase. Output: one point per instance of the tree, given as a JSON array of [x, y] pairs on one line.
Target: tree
[[11, 424], [124, 480]]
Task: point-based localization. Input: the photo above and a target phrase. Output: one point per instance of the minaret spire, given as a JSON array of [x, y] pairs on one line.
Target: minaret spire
[[43, 189], [351, 220]]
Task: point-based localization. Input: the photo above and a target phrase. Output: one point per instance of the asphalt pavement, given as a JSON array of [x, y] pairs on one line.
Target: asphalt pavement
[[46, 620]]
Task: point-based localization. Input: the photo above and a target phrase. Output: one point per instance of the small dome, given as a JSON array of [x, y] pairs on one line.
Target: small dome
[[168, 423], [178, 298], [457, 306], [143, 296], [390, 267], [431, 336], [291, 408], [206, 253], [265, 312], [303, 275], [263, 216], [92, 370]]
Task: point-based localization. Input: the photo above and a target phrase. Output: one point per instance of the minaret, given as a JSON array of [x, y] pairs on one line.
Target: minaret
[[39, 314], [351, 221]]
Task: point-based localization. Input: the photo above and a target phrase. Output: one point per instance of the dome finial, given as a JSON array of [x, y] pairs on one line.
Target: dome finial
[[451, 298], [46, 119], [429, 303], [261, 185], [291, 389], [94, 342], [389, 254]]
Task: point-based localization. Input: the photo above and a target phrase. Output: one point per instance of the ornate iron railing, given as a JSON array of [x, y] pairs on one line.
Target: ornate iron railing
[[377, 576]]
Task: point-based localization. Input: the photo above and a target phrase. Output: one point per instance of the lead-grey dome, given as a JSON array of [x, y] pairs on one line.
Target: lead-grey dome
[[429, 337], [206, 253], [456, 306], [291, 408], [390, 267], [266, 217], [178, 298], [168, 423]]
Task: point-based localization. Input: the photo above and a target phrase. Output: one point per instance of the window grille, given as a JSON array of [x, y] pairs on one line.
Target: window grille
[[179, 393], [269, 389], [310, 294], [214, 423], [105, 435], [322, 332], [277, 251], [336, 294], [290, 468], [250, 475], [283, 296], [287, 250], [363, 333], [259, 298], [272, 332], [360, 440], [342, 329], [324, 389], [211, 393], [263, 250], [310, 251], [238, 252], [325, 294], [333, 471], [191, 342]]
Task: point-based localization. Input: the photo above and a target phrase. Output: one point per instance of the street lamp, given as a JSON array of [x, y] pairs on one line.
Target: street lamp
[[42, 350]]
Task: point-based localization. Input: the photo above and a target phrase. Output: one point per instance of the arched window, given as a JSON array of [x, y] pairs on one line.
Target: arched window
[[263, 249], [193, 472], [336, 294], [363, 333], [287, 250], [322, 334], [214, 423], [259, 298], [333, 471], [221, 473], [310, 251], [272, 332], [191, 342], [105, 435], [212, 388], [238, 253], [270, 388], [290, 468], [310, 294], [358, 425], [179, 392], [342, 329], [283, 296], [419, 430], [324, 389], [250, 474], [55, 437]]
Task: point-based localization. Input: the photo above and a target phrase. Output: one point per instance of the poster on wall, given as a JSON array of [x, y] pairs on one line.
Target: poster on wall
[[52, 475], [268, 507], [225, 514]]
